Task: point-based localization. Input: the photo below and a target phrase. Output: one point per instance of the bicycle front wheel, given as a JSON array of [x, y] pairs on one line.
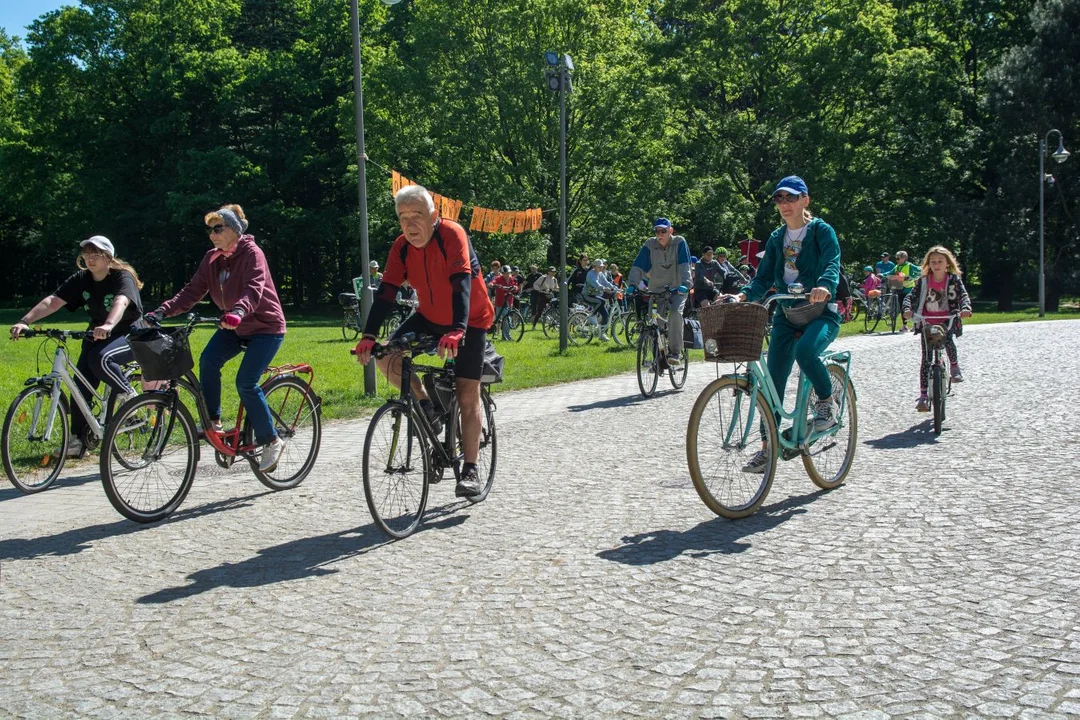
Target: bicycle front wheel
[[648, 362], [395, 471], [517, 325], [891, 313], [937, 401], [350, 325], [578, 329], [633, 329], [872, 316], [727, 426], [297, 415], [830, 457], [148, 457], [34, 452]]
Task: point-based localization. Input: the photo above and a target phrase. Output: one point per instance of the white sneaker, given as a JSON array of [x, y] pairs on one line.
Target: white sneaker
[[824, 415], [673, 361], [604, 337], [270, 455]]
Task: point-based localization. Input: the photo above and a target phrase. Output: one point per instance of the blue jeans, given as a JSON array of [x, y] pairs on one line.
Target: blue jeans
[[785, 350], [224, 346]]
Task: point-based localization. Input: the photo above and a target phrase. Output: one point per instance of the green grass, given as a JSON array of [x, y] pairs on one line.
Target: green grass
[[316, 340]]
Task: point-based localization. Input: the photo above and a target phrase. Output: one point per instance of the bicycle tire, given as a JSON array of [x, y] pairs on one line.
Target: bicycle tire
[[578, 330], [487, 458], [937, 399], [350, 325], [824, 468], [872, 316], [716, 452], [892, 313], [855, 309], [677, 376], [648, 359], [517, 325], [297, 414], [549, 323], [140, 484], [395, 479], [393, 322], [33, 466], [634, 326]]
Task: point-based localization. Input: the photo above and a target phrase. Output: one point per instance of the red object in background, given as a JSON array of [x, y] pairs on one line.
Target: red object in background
[[750, 249]]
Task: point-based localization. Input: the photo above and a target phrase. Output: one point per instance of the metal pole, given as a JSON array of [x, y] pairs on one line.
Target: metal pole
[[361, 168], [1042, 269], [564, 294]]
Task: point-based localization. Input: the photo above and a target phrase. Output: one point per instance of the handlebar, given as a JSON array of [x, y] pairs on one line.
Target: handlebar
[[950, 319], [411, 342], [55, 334]]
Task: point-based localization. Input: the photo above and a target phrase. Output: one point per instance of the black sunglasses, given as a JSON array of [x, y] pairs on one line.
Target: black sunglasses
[[215, 229], [779, 198]]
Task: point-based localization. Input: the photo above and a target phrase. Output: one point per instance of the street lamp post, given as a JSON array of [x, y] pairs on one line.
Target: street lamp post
[[1060, 155], [559, 80], [361, 181]]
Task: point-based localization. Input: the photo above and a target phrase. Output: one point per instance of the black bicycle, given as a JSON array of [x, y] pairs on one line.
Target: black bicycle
[[404, 454]]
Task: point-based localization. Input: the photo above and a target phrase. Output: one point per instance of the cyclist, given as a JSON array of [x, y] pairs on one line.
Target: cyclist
[[108, 288], [802, 250], [373, 273], [910, 271], [505, 288], [236, 276], [576, 281], [597, 290], [544, 289], [939, 292], [437, 258], [707, 276], [733, 278], [664, 260], [884, 266]]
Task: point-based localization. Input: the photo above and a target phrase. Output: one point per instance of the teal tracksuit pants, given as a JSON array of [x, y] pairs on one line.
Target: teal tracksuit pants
[[785, 350]]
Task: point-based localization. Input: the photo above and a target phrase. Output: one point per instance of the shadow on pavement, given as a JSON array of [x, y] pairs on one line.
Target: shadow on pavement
[[306, 557], [72, 542], [716, 536], [919, 434], [625, 401], [10, 492]]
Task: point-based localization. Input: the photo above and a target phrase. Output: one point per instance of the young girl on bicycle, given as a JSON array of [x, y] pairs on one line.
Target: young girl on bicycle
[[937, 294], [108, 288]]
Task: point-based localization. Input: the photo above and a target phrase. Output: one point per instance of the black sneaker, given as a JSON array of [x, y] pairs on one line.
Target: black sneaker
[[469, 485]]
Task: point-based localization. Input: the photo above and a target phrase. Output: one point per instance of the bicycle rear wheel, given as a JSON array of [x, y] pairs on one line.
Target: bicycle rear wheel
[[517, 325], [350, 324], [831, 457], [648, 359], [892, 311], [487, 458], [634, 326], [677, 375], [549, 323], [872, 316], [148, 457], [579, 331], [937, 398], [33, 459], [297, 415], [723, 434], [396, 464], [855, 309]]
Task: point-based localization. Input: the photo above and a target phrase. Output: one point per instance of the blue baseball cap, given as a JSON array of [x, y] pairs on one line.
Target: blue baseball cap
[[662, 222], [792, 184]]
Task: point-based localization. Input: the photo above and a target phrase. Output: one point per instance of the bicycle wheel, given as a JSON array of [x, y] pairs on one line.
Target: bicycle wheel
[[393, 322], [517, 325], [549, 323], [677, 376], [634, 326], [872, 316], [891, 313], [937, 398], [831, 457], [727, 425], [617, 327], [648, 359], [396, 465], [33, 458], [856, 309], [487, 458], [578, 329], [152, 455], [297, 415], [350, 324]]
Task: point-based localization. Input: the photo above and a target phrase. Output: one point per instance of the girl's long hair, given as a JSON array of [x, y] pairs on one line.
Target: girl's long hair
[[950, 260], [117, 264]]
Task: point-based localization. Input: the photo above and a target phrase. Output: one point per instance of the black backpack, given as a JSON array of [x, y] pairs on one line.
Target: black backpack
[[843, 288]]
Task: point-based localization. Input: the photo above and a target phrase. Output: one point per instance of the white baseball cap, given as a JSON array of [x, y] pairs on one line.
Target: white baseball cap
[[102, 243]]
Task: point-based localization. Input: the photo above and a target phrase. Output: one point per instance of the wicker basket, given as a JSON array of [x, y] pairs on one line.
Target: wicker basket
[[896, 282], [733, 332]]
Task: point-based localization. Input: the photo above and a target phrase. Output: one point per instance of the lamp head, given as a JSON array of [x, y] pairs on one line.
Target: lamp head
[[551, 58], [390, 2], [1061, 154]]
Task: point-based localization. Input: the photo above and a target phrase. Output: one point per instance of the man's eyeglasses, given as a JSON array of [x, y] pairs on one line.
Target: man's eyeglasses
[[662, 230], [215, 229], [781, 198]]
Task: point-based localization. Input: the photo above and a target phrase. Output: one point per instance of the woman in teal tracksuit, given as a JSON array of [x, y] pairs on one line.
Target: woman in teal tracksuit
[[803, 250]]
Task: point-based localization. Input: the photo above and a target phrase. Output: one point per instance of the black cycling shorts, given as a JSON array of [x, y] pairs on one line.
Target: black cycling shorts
[[470, 357]]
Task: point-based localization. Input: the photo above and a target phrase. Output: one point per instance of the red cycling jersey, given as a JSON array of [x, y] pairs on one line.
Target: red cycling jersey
[[429, 269]]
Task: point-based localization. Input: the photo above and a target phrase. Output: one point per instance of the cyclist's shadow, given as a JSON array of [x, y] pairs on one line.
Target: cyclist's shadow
[[716, 536], [919, 434]]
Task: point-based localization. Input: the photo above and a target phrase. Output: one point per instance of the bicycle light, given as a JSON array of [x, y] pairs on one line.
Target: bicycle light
[[710, 346]]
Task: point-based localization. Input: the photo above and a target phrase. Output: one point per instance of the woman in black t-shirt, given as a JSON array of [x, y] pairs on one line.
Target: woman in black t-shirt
[[109, 290]]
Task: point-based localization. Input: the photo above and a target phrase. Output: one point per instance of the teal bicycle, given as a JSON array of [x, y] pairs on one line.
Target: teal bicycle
[[738, 414]]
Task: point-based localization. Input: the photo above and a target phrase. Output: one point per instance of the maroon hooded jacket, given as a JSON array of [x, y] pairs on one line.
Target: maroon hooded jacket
[[240, 281]]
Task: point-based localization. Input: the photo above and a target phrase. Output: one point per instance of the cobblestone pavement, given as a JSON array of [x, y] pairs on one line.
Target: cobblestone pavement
[[942, 580]]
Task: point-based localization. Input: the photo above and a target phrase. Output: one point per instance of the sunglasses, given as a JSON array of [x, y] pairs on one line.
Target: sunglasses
[[662, 229], [215, 229], [781, 198]]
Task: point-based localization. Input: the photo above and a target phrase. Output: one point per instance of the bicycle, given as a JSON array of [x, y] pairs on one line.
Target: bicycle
[[850, 310], [350, 316], [35, 434], [652, 346], [584, 325], [508, 320], [934, 337], [403, 454], [739, 412], [154, 441], [399, 314]]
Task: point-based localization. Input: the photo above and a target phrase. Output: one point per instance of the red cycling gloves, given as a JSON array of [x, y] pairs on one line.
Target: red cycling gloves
[[448, 344]]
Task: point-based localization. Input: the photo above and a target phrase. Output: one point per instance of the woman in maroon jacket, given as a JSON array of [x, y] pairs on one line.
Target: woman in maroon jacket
[[238, 280]]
